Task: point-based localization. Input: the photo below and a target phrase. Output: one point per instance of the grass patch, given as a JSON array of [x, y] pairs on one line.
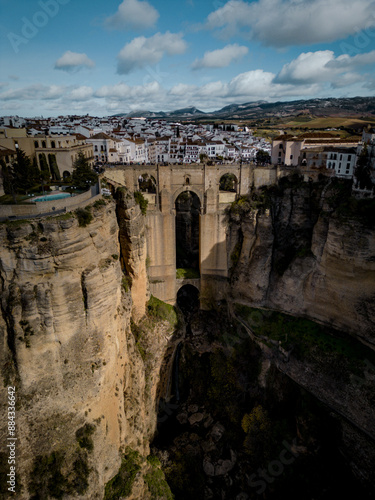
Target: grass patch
[[183, 273], [157, 485], [121, 485], [309, 340], [66, 216], [100, 203], [160, 310]]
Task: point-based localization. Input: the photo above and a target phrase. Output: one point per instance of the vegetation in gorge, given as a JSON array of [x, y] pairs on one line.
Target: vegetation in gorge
[[132, 464], [49, 478], [219, 376], [121, 485], [308, 340]]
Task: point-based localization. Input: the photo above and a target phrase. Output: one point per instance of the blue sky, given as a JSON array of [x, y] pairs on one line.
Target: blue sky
[[62, 57]]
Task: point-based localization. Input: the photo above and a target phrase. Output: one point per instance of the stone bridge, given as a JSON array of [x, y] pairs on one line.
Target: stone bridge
[[204, 181]]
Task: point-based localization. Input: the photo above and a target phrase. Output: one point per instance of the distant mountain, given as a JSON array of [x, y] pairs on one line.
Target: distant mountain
[[342, 106], [186, 112]]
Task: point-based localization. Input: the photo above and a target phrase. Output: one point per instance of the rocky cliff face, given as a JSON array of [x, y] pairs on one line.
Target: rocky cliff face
[[307, 255], [81, 388]]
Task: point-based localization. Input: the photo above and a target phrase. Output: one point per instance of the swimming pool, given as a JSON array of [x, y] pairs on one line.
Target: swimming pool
[[51, 197]]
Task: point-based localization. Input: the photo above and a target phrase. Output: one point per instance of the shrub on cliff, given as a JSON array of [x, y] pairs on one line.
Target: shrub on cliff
[[121, 485], [84, 216], [141, 201]]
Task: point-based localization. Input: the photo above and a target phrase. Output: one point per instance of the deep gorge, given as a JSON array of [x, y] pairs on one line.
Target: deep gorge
[[92, 355]]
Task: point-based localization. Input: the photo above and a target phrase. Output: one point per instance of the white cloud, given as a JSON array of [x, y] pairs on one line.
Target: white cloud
[[283, 23], [322, 66], [72, 61], [345, 62], [82, 93], [317, 73], [133, 14], [142, 51], [221, 58], [34, 92]]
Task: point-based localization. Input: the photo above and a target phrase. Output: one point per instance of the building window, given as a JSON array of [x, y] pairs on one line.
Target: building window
[[280, 146], [291, 157], [280, 154], [36, 144], [340, 157], [53, 145], [44, 144], [349, 157]]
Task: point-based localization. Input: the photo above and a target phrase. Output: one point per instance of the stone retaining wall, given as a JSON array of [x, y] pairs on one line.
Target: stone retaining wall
[[37, 209]]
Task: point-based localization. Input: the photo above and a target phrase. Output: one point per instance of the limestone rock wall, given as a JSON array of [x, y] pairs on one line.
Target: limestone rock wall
[[67, 347], [303, 257]]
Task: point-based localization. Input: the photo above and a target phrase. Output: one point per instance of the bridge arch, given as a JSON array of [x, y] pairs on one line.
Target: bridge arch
[[193, 190], [147, 183], [228, 182]]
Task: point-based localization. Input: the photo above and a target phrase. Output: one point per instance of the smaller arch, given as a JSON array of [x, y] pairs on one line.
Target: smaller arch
[[147, 183], [44, 145], [36, 144], [228, 182], [188, 299], [53, 145]]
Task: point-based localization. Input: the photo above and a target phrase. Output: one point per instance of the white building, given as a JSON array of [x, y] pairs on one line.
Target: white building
[[102, 144], [342, 161], [215, 148]]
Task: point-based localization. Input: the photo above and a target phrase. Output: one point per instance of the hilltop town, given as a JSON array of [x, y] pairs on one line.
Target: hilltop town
[[118, 140]]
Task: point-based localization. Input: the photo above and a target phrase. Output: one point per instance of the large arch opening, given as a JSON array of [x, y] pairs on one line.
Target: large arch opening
[[188, 299], [187, 233], [228, 183]]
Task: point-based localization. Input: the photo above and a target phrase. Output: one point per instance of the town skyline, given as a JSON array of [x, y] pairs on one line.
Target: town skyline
[[97, 58]]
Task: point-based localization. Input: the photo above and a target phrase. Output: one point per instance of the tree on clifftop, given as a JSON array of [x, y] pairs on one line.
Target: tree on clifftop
[[263, 158], [363, 170], [23, 174], [83, 176]]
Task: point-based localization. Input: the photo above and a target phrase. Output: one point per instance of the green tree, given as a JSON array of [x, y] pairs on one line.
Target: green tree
[[363, 170], [23, 173], [53, 167], [257, 427], [45, 171], [203, 157], [7, 181], [83, 176], [263, 157]]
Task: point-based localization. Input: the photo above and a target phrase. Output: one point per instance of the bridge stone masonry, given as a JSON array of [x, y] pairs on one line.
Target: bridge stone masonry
[[203, 180]]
